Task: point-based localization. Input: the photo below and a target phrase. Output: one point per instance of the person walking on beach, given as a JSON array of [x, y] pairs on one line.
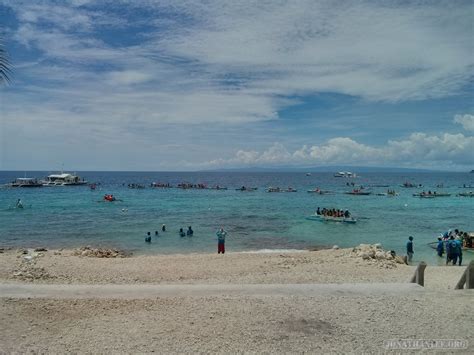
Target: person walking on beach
[[410, 251], [221, 234]]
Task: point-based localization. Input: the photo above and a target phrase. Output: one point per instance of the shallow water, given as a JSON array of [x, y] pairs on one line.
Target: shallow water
[[76, 216]]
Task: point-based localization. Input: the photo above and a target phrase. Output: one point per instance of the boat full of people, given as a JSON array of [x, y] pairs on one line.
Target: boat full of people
[[431, 194], [186, 186], [64, 179], [333, 215], [25, 182], [161, 185], [464, 239]]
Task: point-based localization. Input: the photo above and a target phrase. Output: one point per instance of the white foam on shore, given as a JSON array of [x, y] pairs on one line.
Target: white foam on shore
[[272, 251]]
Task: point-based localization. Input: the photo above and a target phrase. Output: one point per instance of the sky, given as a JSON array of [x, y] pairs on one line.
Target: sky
[[196, 85]]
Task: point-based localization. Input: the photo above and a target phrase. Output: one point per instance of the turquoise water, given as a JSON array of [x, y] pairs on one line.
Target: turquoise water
[[73, 216]]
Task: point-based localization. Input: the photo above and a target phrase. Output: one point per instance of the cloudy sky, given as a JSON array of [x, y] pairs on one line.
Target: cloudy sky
[[189, 85]]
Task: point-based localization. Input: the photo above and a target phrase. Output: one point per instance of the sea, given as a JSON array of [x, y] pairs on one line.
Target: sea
[[256, 221]]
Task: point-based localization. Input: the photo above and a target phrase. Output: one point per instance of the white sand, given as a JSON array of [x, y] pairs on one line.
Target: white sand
[[261, 322]]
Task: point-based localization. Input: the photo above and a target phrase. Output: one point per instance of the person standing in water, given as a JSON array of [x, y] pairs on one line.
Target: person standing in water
[[440, 247], [410, 251], [221, 234], [19, 204]]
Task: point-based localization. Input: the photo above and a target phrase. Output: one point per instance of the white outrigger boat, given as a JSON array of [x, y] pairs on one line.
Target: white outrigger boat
[[345, 174], [320, 217], [25, 182], [63, 179]]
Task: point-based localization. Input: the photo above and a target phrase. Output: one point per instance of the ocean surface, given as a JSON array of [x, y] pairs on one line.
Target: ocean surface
[[76, 216]]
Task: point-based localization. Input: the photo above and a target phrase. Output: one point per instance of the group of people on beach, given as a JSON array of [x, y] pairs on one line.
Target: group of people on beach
[[452, 243], [332, 212]]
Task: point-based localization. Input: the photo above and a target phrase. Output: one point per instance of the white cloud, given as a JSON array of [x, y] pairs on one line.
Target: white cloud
[[128, 77], [467, 121], [198, 65], [242, 58], [419, 149]]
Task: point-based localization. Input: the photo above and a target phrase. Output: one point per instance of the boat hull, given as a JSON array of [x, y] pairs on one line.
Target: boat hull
[[332, 219]]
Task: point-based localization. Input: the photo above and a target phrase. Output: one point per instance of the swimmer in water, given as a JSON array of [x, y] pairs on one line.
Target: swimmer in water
[[19, 204]]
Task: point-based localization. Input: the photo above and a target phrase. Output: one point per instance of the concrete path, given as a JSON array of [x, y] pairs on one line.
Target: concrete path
[[147, 291]]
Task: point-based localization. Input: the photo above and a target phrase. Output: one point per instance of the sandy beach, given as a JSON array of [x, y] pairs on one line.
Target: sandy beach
[[332, 319]]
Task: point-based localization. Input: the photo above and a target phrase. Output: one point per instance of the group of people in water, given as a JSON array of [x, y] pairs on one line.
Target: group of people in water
[[332, 212], [452, 243], [181, 233], [221, 235], [188, 233]]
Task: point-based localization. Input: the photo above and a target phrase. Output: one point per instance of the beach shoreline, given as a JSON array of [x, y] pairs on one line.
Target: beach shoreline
[[101, 266]]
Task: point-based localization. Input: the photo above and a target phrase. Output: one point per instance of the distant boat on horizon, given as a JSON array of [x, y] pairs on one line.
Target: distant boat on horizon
[[345, 174]]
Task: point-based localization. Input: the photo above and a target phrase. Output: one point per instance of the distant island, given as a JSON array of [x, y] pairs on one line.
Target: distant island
[[325, 169]]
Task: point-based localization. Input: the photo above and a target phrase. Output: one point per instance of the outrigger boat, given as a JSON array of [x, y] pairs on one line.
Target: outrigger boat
[[217, 187], [466, 194], [277, 189], [244, 188], [318, 191], [388, 193], [466, 247], [320, 217], [161, 185], [345, 174], [358, 192], [25, 182], [430, 194]]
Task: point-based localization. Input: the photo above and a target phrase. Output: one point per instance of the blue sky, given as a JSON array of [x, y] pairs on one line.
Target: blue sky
[[189, 85]]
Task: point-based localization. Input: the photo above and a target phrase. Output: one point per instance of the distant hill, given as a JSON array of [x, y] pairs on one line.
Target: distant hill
[[329, 169]]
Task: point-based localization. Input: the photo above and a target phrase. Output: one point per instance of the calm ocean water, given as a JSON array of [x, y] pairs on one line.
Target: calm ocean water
[[73, 216]]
